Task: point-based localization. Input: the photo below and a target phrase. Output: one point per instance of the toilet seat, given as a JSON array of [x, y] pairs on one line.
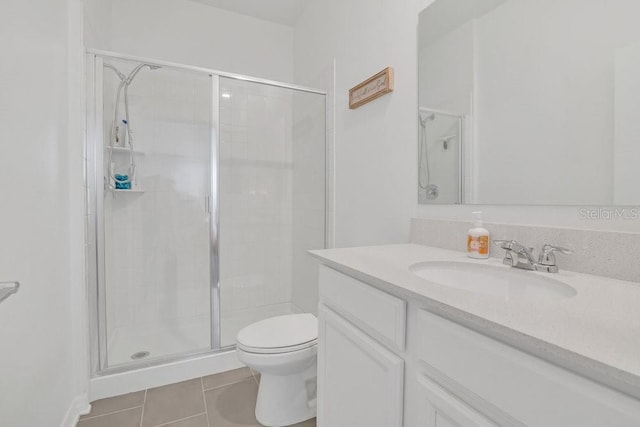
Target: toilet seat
[[280, 334], [276, 350]]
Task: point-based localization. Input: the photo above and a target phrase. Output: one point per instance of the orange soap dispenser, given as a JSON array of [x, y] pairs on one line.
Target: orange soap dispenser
[[478, 239]]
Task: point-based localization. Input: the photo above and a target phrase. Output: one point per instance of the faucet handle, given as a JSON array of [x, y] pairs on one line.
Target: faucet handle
[[547, 254], [505, 244], [512, 245], [513, 252], [547, 248]]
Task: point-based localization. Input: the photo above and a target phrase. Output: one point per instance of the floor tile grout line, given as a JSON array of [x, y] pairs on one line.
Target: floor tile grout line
[[226, 385], [144, 402], [239, 380], [230, 384], [204, 400], [181, 419], [110, 413]]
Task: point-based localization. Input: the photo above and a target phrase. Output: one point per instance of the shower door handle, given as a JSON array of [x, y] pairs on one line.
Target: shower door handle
[[207, 204], [7, 289]]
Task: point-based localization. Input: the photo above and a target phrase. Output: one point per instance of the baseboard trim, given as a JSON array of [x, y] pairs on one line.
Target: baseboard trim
[[79, 406]]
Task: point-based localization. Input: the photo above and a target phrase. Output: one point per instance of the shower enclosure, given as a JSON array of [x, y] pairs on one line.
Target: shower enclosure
[[440, 157], [205, 190]]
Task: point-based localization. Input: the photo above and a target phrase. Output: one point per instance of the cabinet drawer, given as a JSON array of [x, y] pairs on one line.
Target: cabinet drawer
[[529, 389], [381, 315], [443, 409]]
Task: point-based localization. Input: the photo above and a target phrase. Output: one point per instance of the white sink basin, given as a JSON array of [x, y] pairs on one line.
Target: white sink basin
[[509, 283]]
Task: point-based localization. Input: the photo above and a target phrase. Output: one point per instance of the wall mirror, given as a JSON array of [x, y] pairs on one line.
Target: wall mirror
[[529, 102]]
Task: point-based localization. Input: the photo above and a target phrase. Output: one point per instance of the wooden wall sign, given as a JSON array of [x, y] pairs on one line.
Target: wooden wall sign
[[372, 88]]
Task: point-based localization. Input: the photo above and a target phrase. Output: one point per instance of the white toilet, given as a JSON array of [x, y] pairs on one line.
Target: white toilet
[[283, 350]]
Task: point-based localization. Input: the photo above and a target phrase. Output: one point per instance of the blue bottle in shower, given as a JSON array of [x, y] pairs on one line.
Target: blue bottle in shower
[[122, 182]]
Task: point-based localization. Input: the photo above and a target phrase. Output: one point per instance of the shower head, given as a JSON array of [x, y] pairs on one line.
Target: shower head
[[128, 79], [136, 70], [115, 70]]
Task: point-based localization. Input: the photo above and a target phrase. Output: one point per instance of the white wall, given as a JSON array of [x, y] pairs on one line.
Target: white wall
[[97, 23], [43, 367], [376, 145], [192, 33]]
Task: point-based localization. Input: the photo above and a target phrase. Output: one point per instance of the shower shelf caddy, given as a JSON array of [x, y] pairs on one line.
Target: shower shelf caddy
[[122, 150]]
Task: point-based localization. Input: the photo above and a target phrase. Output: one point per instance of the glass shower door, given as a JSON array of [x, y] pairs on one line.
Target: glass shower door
[[156, 275], [272, 201]]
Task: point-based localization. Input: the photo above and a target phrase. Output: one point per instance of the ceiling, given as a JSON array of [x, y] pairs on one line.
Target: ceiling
[[284, 12]]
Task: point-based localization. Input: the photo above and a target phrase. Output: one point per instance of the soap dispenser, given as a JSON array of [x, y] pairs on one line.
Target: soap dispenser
[[478, 239]]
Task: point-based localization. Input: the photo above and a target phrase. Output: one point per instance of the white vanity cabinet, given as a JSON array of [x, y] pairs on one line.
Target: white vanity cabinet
[[385, 360], [510, 386], [439, 408], [355, 365], [360, 380]]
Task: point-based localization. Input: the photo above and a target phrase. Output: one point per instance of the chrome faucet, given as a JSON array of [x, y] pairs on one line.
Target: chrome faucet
[[520, 256]]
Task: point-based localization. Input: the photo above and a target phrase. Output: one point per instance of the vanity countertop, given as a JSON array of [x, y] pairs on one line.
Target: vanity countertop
[[596, 333]]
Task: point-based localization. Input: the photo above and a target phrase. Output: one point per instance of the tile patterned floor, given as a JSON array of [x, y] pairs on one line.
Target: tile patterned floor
[[227, 399]]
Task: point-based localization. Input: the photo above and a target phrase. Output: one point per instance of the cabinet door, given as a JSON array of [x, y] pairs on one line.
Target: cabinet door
[[360, 383], [442, 409]]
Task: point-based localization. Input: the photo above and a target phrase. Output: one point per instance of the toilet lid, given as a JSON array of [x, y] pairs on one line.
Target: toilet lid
[[281, 333]]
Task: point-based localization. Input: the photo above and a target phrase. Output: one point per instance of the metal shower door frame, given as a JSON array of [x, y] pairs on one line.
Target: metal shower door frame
[[94, 149], [214, 211], [95, 197]]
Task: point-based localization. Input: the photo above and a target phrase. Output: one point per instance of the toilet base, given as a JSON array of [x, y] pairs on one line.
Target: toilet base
[[287, 399], [284, 350]]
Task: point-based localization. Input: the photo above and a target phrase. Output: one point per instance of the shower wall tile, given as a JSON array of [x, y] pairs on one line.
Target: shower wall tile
[[601, 253]]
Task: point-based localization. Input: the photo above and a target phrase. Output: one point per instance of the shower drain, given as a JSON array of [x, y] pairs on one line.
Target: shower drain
[[140, 355]]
